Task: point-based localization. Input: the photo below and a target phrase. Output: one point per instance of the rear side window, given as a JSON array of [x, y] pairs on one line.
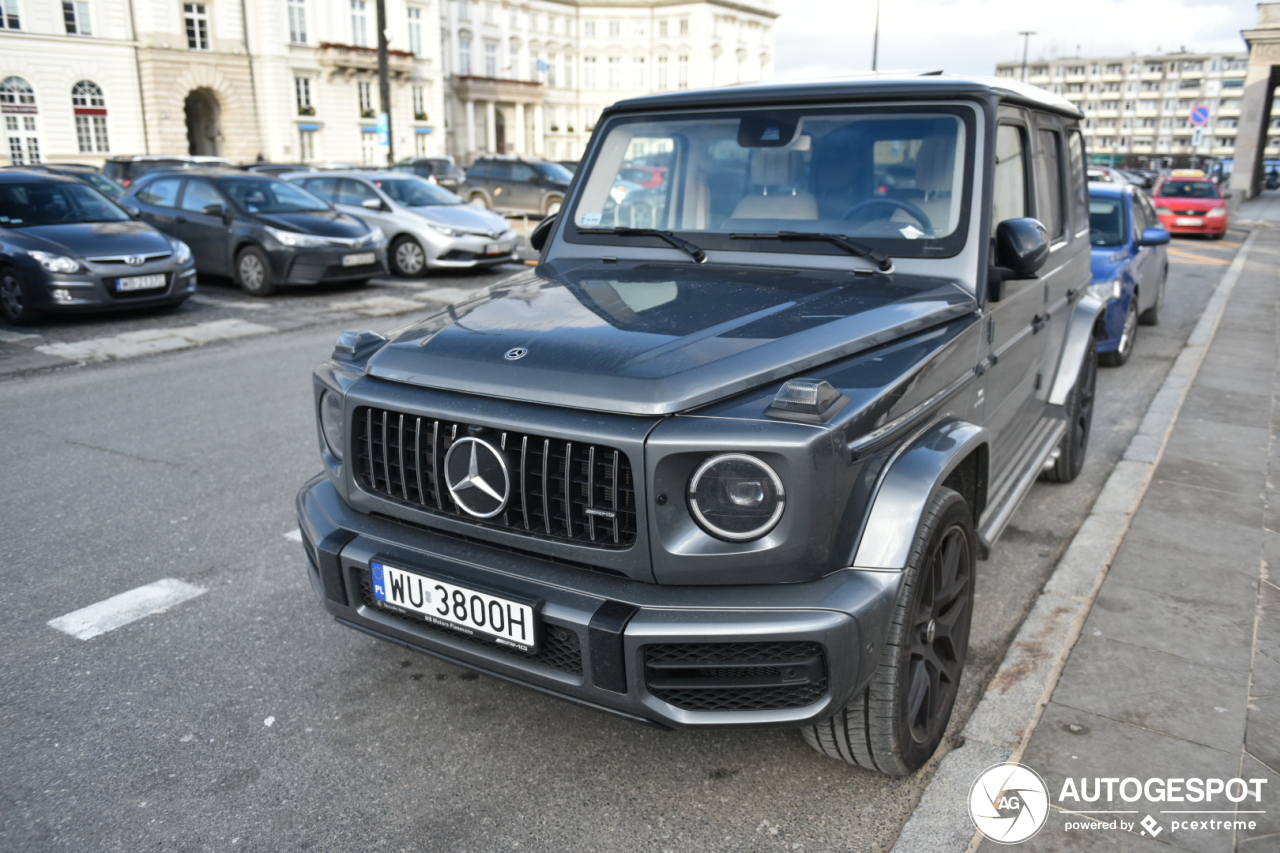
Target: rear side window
[[1079, 186], [479, 170], [354, 192], [1009, 196], [198, 195], [326, 188], [161, 193], [1049, 182], [521, 172]]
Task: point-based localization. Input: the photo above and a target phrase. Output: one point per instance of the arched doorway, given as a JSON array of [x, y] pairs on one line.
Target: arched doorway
[[500, 133], [204, 133]]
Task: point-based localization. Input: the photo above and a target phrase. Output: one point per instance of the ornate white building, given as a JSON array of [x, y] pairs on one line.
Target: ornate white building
[[296, 80]]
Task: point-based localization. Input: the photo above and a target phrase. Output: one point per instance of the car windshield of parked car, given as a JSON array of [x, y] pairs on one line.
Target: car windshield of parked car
[[415, 192], [553, 171], [102, 184], [271, 196], [869, 174], [1106, 221], [54, 203], [1189, 189]]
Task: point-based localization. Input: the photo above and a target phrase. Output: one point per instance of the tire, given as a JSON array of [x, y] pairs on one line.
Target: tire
[[923, 658], [552, 205], [1128, 337], [408, 260], [16, 304], [479, 200], [253, 272], [1074, 445], [1151, 317]]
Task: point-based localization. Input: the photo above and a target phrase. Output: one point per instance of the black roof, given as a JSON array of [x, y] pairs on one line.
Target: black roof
[[25, 176], [870, 87], [206, 172]]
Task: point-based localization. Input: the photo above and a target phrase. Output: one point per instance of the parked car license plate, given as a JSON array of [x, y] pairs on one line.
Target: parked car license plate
[[359, 260], [139, 282], [1188, 220], [510, 623], [497, 248]]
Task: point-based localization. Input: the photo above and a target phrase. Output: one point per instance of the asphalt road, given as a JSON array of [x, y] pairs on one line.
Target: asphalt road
[[246, 719]]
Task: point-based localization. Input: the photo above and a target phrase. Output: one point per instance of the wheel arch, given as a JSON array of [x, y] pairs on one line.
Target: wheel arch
[[952, 453], [1086, 316]]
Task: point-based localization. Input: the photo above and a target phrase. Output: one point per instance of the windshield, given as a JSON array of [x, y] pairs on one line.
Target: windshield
[[271, 196], [54, 203], [102, 184], [1106, 222], [415, 192], [1189, 189], [892, 177], [553, 171]]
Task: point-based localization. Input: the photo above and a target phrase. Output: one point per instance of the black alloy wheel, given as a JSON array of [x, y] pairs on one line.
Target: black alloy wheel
[[1075, 443], [16, 304], [1128, 337]]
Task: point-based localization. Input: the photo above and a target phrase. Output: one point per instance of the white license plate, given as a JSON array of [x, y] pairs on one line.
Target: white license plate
[[507, 622], [359, 260], [497, 248], [1188, 220], [140, 282]]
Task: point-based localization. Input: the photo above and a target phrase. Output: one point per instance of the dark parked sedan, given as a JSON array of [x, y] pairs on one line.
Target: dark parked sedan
[[261, 231], [85, 174], [66, 247]]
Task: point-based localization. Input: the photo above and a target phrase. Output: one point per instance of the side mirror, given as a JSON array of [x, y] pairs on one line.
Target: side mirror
[[214, 210], [1153, 237], [542, 231], [371, 204], [1022, 246], [131, 210]]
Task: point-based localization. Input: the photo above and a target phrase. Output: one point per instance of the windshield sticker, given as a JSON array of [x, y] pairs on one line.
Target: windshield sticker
[[911, 232], [590, 220]]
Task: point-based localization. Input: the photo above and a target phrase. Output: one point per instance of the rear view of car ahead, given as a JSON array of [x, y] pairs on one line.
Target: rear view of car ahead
[[1191, 204], [262, 231], [734, 469], [1129, 265], [64, 247], [428, 227]]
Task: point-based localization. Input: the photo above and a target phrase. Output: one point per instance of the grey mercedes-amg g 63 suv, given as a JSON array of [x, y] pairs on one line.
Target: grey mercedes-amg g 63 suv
[[727, 455]]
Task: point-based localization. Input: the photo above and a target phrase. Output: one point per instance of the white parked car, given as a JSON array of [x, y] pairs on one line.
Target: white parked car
[[428, 226]]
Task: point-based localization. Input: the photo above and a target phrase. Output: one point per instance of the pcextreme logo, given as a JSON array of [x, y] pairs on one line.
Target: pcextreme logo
[[1009, 803]]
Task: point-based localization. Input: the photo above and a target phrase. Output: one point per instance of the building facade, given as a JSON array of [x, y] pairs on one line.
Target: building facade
[[1138, 109], [296, 80]]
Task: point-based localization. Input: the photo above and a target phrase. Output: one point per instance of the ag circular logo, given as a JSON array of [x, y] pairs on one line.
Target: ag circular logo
[[516, 353], [1009, 803], [477, 475]]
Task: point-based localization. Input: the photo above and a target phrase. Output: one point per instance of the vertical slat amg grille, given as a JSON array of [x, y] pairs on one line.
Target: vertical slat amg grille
[[559, 489]]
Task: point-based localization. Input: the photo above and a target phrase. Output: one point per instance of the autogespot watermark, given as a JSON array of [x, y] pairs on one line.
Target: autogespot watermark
[[1009, 803]]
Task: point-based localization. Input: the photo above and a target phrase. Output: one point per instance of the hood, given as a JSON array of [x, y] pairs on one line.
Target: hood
[[464, 217], [651, 339], [322, 223], [98, 239]]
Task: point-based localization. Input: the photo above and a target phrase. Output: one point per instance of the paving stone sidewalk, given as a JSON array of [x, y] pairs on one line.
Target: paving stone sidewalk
[[1177, 671]]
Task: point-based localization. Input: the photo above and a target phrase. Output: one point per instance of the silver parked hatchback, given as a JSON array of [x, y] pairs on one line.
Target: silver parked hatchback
[[429, 227]]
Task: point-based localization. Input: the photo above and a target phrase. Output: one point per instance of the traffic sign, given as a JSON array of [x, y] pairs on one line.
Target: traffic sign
[[1200, 115], [384, 130]]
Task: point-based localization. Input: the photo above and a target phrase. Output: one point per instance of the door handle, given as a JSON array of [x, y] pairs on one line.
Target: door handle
[[1071, 294], [1038, 323], [181, 220]]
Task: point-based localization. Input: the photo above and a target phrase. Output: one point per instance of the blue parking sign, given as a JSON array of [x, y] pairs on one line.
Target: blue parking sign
[[1200, 115]]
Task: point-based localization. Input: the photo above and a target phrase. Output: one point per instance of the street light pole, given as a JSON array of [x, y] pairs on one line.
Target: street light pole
[[875, 40], [1027, 37], [384, 83]]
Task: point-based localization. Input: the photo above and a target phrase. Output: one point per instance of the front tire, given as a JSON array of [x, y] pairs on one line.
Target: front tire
[[1128, 337], [408, 260], [16, 304], [253, 272], [552, 205], [897, 722], [1074, 445], [479, 200]]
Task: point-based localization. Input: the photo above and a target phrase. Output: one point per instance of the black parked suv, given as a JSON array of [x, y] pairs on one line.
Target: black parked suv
[[262, 231], [442, 170], [516, 185], [734, 468]]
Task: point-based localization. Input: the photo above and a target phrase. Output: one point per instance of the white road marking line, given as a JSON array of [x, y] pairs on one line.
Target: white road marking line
[[149, 341], [376, 306], [17, 337], [444, 294], [294, 535], [230, 303], [118, 610]]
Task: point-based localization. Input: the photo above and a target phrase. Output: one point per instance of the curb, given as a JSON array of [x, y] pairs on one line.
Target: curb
[[1001, 726]]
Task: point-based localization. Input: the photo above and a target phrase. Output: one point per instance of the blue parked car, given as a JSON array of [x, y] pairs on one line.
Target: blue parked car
[[1129, 265]]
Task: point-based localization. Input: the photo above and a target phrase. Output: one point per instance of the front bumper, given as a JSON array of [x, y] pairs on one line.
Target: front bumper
[[315, 266], [608, 631], [1207, 225], [468, 251], [94, 288]]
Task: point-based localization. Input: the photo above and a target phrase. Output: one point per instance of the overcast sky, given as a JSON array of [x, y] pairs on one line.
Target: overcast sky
[[828, 37]]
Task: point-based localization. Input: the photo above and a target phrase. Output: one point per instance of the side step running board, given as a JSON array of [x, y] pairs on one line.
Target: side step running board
[[997, 516]]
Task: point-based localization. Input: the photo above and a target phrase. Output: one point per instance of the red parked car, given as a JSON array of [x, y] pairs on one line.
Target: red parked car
[[1191, 204]]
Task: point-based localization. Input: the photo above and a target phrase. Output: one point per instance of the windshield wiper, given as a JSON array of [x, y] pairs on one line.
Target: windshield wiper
[[883, 261], [694, 252]]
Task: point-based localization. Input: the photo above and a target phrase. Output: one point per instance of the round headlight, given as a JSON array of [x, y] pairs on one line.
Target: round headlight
[[331, 421], [736, 497]]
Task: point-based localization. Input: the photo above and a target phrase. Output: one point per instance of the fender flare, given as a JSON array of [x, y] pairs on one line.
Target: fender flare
[[1079, 338], [906, 487]]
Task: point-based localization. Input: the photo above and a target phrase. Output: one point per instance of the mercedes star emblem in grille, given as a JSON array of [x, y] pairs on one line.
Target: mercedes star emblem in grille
[[518, 352], [135, 260], [477, 476]]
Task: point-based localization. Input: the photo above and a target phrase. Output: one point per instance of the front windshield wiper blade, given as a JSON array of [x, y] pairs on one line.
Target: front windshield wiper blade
[[883, 261], [695, 252]]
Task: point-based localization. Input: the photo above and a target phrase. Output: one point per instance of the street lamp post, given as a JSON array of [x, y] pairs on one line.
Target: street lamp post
[[1027, 37], [384, 83]]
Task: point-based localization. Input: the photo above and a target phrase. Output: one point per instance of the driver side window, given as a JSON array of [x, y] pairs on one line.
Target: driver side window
[[1009, 195]]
